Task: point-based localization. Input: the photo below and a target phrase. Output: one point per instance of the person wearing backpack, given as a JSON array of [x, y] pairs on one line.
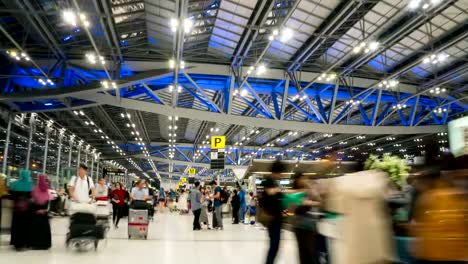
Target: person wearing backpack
[[218, 205], [82, 186]]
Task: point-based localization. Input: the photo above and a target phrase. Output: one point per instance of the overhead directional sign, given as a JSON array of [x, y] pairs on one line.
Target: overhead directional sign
[[218, 142], [217, 159], [192, 171]]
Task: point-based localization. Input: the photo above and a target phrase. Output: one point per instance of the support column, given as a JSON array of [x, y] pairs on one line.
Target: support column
[[48, 129], [7, 145], [72, 138], [78, 159], [59, 153], [32, 126], [86, 154], [92, 165], [97, 166]]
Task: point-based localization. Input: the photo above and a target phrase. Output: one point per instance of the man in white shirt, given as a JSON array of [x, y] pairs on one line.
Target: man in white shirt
[[81, 186]]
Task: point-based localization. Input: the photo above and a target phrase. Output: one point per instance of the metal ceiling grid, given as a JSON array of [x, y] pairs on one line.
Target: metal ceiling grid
[[304, 20], [158, 14], [371, 24], [447, 20], [231, 19]]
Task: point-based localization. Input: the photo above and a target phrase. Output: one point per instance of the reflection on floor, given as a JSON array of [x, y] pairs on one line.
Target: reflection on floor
[[171, 240]]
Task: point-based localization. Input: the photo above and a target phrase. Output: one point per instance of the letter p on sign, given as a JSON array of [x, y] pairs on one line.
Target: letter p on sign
[[218, 142]]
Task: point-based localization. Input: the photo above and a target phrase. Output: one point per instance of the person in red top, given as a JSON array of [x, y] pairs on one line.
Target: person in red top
[[118, 199]]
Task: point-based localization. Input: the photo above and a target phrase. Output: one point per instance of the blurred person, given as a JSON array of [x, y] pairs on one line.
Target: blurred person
[[20, 191], [183, 202], [41, 238], [272, 216], [365, 226], [118, 202], [235, 203], [82, 187], [206, 206], [242, 204], [139, 192], [3, 187], [252, 207], [439, 227], [162, 199], [218, 206], [102, 192], [303, 222], [195, 201]]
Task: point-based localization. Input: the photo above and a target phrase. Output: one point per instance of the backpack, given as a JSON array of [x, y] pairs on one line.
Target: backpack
[[210, 206], [224, 196]]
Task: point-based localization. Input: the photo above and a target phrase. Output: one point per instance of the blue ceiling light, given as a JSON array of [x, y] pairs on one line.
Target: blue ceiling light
[[67, 38], [48, 104]]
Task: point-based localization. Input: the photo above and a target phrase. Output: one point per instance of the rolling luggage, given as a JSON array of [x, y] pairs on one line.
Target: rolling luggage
[[138, 224]]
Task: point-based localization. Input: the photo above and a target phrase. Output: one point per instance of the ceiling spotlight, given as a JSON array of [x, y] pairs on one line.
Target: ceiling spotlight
[[243, 92], [399, 106], [105, 84], [435, 58], [440, 110], [437, 90], [69, 17], [392, 83], [286, 34], [171, 63], [261, 69], [91, 57], [173, 23], [188, 24]]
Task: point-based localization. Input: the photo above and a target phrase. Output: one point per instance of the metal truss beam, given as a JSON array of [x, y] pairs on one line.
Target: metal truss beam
[[257, 122]]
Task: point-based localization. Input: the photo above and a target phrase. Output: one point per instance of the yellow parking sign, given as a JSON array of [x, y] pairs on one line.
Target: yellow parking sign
[[192, 171], [218, 142]]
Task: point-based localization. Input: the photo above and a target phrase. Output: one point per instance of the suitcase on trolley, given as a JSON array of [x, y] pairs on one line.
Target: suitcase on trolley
[[138, 224]]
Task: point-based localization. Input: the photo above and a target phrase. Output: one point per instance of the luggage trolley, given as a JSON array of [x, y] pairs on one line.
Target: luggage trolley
[[84, 231], [138, 220]]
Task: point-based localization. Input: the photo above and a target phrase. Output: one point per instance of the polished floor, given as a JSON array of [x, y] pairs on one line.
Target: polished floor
[[171, 240]]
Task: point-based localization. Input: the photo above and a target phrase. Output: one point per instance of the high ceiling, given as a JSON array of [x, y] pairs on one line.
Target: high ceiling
[[301, 79]]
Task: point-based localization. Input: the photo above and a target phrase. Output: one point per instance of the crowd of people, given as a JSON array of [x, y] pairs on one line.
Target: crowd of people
[[374, 221], [423, 221]]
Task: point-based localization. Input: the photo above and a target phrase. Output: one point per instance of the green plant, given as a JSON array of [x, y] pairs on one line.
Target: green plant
[[393, 165]]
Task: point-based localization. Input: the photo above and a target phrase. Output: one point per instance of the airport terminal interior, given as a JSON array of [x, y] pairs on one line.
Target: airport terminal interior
[[234, 131]]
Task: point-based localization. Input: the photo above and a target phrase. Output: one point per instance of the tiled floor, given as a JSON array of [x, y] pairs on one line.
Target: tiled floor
[[171, 240]]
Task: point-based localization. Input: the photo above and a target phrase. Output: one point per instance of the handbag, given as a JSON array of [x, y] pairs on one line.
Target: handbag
[[264, 218]]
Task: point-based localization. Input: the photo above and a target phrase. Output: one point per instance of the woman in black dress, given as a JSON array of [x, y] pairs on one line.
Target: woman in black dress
[[40, 226], [20, 192]]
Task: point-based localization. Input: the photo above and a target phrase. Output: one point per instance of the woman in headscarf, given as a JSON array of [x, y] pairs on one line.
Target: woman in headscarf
[[20, 191], [40, 226]]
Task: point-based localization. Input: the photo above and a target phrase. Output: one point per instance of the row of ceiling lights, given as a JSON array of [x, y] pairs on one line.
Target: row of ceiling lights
[[89, 122]]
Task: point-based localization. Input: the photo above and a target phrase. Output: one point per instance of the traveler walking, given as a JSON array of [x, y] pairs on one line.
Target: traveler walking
[[20, 192], [195, 202], [82, 186], [101, 190], [218, 206], [235, 203], [139, 192], [41, 237], [304, 222], [118, 201], [242, 204], [271, 204]]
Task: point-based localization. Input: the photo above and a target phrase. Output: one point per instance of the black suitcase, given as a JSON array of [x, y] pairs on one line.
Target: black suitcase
[[82, 230], [140, 205], [83, 219]]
